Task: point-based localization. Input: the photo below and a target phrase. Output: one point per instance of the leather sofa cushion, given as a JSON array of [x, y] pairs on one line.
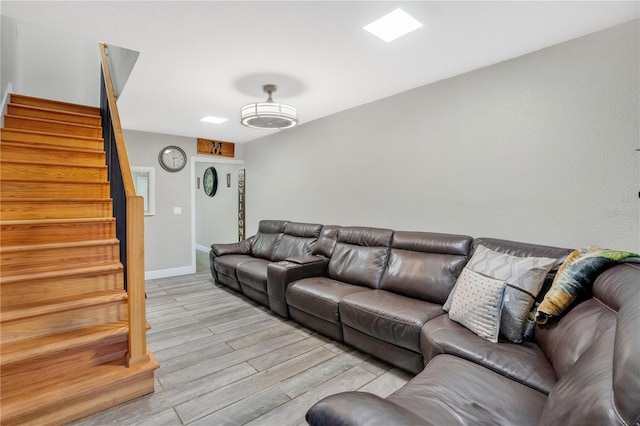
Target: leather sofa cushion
[[326, 241], [254, 274], [523, 362], [360, 255], [320, 296], [454, 391], [228, 263], [388, 316], [296, 240], [264, 245], [292, 246], [425, 265]]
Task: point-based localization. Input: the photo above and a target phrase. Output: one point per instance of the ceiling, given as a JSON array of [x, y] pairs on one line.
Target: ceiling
[[200, 58]]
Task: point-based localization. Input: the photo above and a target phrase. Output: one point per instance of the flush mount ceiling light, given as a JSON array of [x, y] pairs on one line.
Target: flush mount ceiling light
[[393, 25], [269, 114], [212, 119]]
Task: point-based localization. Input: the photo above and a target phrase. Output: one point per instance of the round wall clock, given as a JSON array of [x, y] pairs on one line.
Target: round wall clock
[[172, 158], [210, 181]]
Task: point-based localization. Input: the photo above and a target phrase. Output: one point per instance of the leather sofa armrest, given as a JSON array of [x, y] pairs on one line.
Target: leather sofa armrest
[[242, 247], [303, 260], [360, 408], [281, 274]]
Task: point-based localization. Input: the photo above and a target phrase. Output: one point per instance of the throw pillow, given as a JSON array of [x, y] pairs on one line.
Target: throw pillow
[[524, 277], [477, 304], [575, 276]]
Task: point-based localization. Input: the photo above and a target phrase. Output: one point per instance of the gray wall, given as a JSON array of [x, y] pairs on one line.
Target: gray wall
[[167, 237], [45, 63], [217, 216], [539, 149]]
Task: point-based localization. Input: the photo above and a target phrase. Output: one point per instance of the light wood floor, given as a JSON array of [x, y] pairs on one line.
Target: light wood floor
[[225, 360]]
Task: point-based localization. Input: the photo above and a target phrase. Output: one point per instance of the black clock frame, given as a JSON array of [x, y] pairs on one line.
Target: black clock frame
[[214, 188]]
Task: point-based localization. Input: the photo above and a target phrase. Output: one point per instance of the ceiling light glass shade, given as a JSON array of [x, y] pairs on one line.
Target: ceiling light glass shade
[[269, 114]]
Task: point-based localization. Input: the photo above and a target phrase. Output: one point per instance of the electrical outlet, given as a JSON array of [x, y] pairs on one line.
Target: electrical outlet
[[177, 210]]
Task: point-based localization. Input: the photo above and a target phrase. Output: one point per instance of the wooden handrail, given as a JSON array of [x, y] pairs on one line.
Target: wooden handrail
[[134, 234]]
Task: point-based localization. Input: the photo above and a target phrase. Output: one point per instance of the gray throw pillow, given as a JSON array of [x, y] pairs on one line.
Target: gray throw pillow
[[524, 277], [477, 304]]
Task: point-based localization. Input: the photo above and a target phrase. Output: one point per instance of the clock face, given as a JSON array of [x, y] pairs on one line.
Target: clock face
[[210, 181], [172, 158]]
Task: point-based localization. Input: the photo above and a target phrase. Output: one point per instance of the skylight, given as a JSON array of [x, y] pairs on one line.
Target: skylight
[[212, 119], [393, 25]]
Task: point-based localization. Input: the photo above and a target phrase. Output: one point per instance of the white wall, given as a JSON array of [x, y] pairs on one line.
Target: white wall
[[217, 217], [49, 64], [537, 149]]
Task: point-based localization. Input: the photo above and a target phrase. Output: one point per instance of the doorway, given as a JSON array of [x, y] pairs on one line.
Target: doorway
[[214, 219]]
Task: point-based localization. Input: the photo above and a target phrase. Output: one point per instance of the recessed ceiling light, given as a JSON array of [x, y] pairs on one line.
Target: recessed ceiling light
[[393, 25], [214, 120]]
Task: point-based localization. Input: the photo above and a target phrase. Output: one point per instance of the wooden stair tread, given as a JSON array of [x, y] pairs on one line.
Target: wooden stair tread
[[59, 105], [31, 247], [54, 221], [53, 122], [21, 350], [52, 200], [86, 385], [29, 310], [55, 110], [29, 132], [52, 148], [48, 164], [89, 270]]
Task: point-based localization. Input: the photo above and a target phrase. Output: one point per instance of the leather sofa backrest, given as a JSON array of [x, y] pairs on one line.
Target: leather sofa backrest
[[595, 351], [297, 240], [326, 242], [267, 238], [425, 265], [360, 255]]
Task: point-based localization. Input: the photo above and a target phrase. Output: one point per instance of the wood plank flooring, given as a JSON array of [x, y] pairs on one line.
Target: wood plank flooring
[[225, 360]]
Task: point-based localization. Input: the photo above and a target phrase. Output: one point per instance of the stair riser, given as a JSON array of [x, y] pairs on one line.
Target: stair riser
[[12, 122], [17, 262], [69, 409], [61, 322], [53, 189], [63, 363], [51, 114], [61, 106], [23, 152], [17, 209], [11, 170], [47, 289], [47, 140], [44, 233]]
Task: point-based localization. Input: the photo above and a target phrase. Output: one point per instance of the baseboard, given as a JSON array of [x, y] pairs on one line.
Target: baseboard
[[203, 248], [173, 272]]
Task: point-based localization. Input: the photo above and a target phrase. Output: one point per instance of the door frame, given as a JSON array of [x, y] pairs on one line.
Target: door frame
[[194, 160]]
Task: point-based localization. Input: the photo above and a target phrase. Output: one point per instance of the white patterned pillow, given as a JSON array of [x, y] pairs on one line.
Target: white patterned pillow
[[477, 304], [524, 277]]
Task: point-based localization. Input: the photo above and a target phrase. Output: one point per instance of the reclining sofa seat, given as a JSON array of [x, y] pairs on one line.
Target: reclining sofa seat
[[524, 362], [281, 274], [356, 265], [243, 266], [421, 271], [593, 350]]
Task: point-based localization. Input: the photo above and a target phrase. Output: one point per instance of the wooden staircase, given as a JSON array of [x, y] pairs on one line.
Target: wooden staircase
[[63, 307]]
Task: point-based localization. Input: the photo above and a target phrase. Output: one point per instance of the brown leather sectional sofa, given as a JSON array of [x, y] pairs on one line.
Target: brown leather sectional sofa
[[382, 291]]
